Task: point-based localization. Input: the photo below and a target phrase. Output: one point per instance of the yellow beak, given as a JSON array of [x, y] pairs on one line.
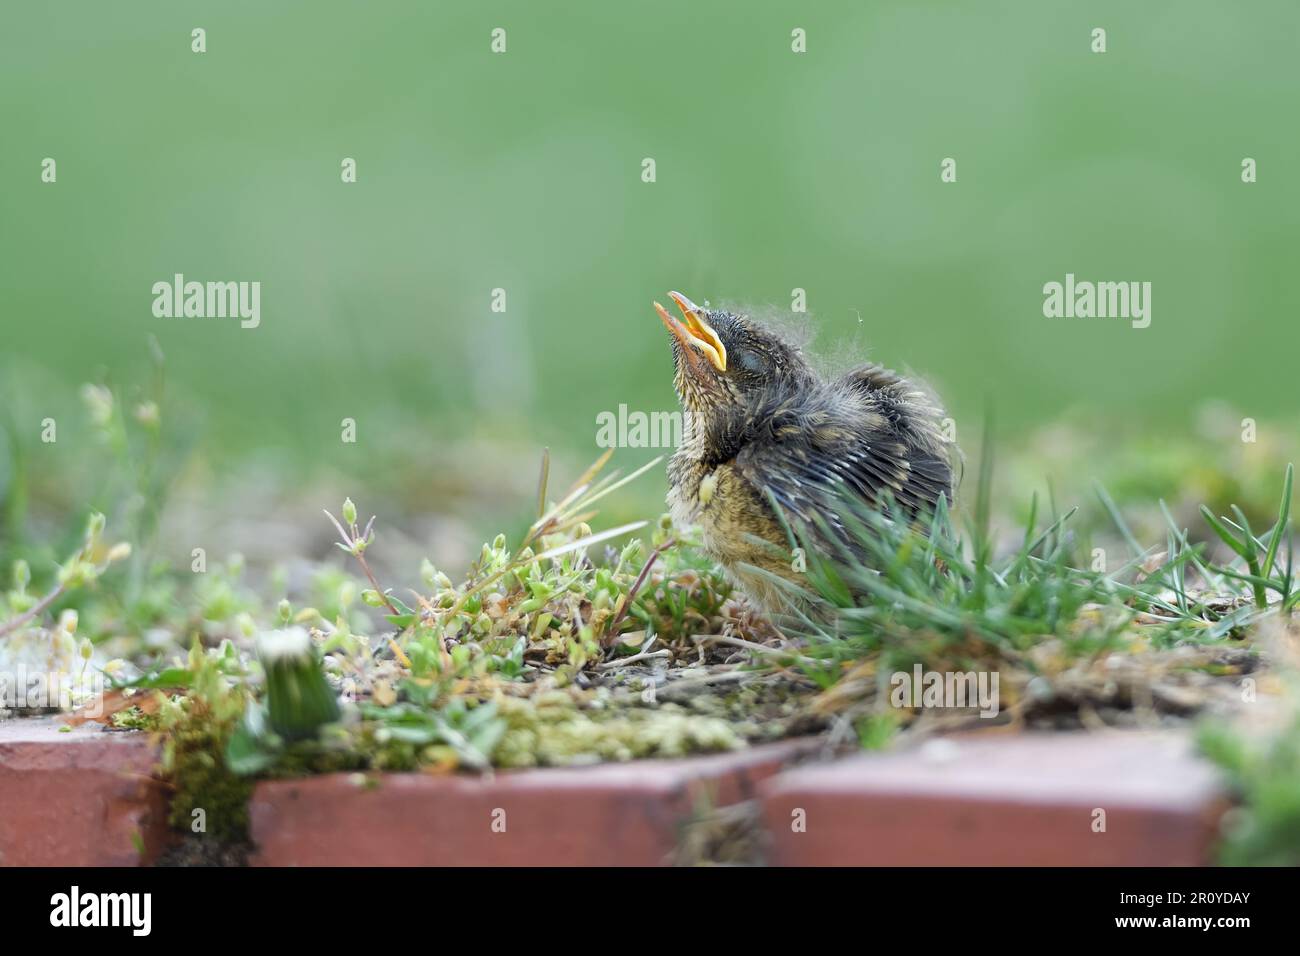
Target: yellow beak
[[696, 333]]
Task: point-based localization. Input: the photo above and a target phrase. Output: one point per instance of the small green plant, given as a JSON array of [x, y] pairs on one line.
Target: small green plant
[[299, 701], [208, 797], [82, 569], [1264, 775], [1262, 555]]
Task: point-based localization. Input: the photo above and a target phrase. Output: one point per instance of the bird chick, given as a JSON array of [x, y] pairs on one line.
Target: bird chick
[[761, 428]]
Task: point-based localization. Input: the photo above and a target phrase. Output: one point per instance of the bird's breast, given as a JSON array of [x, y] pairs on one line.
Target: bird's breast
[[729, 512]]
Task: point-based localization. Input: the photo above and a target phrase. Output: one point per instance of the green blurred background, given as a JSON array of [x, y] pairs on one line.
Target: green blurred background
[[522, 171]]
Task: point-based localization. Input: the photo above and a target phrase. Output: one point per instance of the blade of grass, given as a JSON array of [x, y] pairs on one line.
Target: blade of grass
[[1112, 509], [1283, 519], [542, 480]]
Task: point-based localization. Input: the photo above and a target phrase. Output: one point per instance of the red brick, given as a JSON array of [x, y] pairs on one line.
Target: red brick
[[82, 798], [612, 814], [1002, 799]]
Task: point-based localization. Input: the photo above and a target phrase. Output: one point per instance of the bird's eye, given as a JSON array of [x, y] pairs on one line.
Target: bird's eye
[[749, 360]]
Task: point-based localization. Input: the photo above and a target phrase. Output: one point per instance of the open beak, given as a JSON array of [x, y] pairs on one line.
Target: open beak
[[695, 334]]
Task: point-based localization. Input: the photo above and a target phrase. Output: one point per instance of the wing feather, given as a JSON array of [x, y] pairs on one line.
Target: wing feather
[[819, 457]]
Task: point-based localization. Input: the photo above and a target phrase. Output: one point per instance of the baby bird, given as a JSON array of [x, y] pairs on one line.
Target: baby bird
[[760, 426]]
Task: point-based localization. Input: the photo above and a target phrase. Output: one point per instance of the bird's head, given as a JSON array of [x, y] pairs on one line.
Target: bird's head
[[727, 361]]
